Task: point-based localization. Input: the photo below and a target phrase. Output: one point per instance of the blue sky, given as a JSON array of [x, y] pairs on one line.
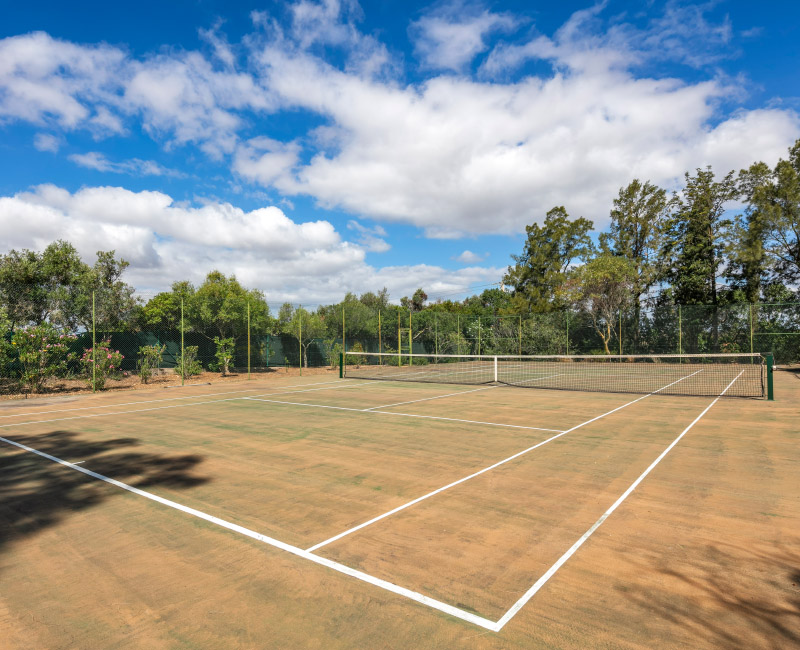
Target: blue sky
[[313, 148]]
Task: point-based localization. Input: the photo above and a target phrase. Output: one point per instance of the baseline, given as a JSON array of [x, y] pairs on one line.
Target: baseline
[[484, 470]]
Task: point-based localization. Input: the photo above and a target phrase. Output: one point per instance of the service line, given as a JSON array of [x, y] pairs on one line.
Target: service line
[[404, 415], [485, 469]]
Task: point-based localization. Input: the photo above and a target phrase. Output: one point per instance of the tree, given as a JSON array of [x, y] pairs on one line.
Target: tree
[[416, 302], [696, 240], [56, 286], [219, 308], [549, 252], [602, 287], [307, 327], [164, 309]]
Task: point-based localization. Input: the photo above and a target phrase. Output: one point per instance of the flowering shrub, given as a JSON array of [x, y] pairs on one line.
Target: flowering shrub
[[43, 353], [107, 364]]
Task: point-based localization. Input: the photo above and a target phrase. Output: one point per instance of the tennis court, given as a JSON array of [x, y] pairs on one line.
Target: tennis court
[[350, 512]]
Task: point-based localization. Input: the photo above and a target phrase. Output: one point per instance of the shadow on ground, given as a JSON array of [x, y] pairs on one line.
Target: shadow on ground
[[36, 493], [726, 596]]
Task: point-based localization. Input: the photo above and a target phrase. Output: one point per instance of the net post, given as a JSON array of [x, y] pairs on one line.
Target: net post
[[567, 315], [680, 332], [620, 332], [341, 365], [520, 336], [770, 387], [380, 342], [751, 328], [300, 327], [495, 370]]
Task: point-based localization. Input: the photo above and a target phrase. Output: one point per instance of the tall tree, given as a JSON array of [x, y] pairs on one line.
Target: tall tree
[[549, 251], [748, 260], [602, 288], [696, 240], [219, 308], [783, 231]]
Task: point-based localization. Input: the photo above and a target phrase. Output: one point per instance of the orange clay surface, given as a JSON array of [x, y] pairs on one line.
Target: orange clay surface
[[702, 554]]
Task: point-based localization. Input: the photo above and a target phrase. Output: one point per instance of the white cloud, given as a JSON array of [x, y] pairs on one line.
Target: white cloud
[[450, 37], [370, 238], [134, 167], [453, 155], [305, 262], [47, 142], [468, 257]]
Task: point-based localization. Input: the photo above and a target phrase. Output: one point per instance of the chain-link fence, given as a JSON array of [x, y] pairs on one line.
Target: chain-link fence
[[305, 338]]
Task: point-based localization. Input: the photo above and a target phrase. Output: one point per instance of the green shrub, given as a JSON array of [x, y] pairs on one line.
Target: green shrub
[[106, 362], [43, 353], [150, 357], [354, 359], [187, 363], [224, 354]]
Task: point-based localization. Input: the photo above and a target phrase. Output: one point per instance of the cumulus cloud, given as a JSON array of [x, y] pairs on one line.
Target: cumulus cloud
[[165, 241], [452, 155], [450, 36]]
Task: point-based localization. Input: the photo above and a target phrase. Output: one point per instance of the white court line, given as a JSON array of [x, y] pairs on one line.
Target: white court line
[[405, 415], [157, 408], [107, 406], [425, 399], [484, 470], [549, 573], [336, 566], [152, 401]]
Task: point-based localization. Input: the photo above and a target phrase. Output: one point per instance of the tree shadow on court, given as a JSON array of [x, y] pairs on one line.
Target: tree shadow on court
[[37, 493], [727, 596]]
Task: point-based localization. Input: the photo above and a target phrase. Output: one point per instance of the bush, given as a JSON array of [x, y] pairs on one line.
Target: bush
[[224, 354], [150, 357], [107, 364], [43, 353], [355, 359], [334, 351], [187, 363]]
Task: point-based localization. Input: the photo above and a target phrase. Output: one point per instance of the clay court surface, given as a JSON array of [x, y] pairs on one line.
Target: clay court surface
[[241, 532]]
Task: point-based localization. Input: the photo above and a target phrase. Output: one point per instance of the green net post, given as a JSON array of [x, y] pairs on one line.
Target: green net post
[[341, 365], [567, 315], [94, 349], [751, 328], [520, 336], [300, 337], [620, 332], [770, 387], [183, 362], [680, 332]]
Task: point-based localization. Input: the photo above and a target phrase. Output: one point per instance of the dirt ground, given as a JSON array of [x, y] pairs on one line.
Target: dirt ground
[[702, 554]]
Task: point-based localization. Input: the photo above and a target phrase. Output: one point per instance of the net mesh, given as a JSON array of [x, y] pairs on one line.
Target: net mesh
[[688, 374]]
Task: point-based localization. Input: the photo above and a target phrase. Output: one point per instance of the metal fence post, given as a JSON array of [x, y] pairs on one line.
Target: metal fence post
[[183, 356], [248, 340], [94, 349]]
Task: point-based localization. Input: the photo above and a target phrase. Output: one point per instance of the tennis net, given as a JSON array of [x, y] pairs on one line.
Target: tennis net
[[670, 374]]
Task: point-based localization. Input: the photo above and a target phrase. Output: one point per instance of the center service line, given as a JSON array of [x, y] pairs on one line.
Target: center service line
[[485, 469]]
